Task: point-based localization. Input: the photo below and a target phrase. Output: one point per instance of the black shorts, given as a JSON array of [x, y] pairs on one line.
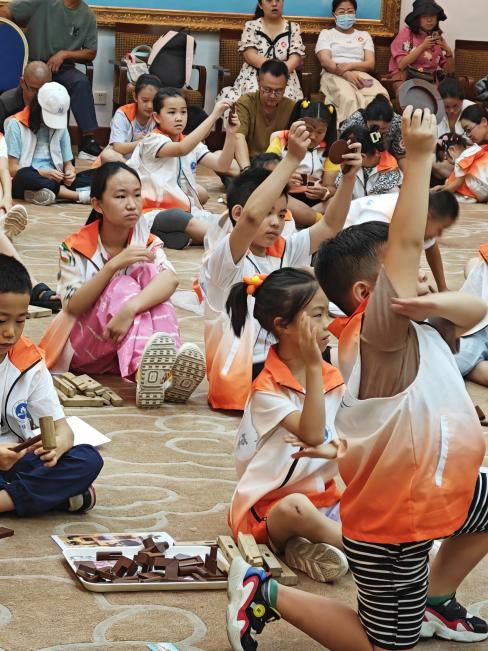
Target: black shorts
[[392, 580]]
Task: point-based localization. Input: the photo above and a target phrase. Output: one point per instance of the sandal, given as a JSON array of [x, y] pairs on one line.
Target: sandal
[[42, 296]]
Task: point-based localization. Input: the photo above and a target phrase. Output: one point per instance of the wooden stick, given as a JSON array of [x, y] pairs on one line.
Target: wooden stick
[[270, 561], [249, 549], [48, 433], [27, 444]]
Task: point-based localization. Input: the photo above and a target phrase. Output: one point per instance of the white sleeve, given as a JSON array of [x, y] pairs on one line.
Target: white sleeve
[[368, 41], [220, 273], [200, 151], [120, 128], [268, 410], [428, 244], [151, 144], [297, 253], [43, 399], [3, 147], [324, 41]]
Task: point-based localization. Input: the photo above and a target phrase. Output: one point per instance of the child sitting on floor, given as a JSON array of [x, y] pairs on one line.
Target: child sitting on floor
[[35, 480], [288, 504], [469, 180], [166, 161], [410, 454], [380, 172], [13, 219], [39, 151], [257, 203], [116, 283]]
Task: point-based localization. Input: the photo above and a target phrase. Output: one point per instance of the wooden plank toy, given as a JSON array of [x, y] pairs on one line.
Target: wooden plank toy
[[228, 548], [5, 532], [35, 312], [249, 549], [48, 433], [64, 386], [271, 563], [287, 576]]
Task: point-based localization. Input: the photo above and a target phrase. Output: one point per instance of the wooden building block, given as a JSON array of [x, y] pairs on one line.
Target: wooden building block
[[64, 386], [228, 548], [114, 398], [83, 401], [249, 549], [271, 563], [5, 532], [37, 312], [287, 576]]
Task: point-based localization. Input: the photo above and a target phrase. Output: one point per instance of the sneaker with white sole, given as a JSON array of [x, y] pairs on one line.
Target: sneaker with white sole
[[187, 373], [247, 611], [44, 197], [451, 621], [320, 561], [156, 363], [14, 221], [83, 502]]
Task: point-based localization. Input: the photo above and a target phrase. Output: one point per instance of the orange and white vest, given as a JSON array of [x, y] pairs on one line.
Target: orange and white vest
[[29, 141], [477, 284], [371, 183], [409, 461], [263, 459]]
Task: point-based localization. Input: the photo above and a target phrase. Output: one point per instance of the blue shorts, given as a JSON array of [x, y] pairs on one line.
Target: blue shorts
[[472, 351]]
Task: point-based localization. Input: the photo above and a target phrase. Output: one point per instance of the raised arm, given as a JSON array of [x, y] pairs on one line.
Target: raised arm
[[407, 228]]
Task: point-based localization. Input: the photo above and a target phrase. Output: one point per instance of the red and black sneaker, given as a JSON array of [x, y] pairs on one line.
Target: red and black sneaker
[[247, 612], [451, 621]]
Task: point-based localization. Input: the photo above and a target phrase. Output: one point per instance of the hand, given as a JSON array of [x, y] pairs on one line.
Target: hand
[[423, 286], [220, 108], [119, 325], [323, 451], [298, 141], [307, 341], [8, 458], [352, 161], [417, 308], [317, 192], [52, 175], [56, 61], [342, 68], [6, 203], [295, 180], [130, 255], [353, 78], [419, 131], [49, 458], [234, 123], [428, 42], [69, 176]]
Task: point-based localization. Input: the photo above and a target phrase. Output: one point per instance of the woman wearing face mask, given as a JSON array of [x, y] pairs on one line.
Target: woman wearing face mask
[[347, 58], [419, 49]]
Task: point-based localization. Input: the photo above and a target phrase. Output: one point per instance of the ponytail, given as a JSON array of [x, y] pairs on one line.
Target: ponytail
[[258, 12]]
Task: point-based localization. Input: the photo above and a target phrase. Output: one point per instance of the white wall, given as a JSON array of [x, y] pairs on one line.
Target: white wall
[[467, 19]]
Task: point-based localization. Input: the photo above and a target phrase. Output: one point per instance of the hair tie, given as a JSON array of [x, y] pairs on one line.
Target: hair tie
[[305, 104], [253, 282], [331, 109]]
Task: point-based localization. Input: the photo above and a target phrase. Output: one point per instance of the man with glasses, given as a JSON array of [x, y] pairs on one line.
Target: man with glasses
[[263, 112], [36, 74]]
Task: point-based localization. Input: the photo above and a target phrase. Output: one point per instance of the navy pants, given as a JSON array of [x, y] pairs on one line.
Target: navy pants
[[82, 105], [28, 178], [34, 489]]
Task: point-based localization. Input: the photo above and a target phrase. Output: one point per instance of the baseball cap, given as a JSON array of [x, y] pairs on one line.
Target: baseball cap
[[54, 102]]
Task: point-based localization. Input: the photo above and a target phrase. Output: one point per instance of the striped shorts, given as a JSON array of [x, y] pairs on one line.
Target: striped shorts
[[392, 580]]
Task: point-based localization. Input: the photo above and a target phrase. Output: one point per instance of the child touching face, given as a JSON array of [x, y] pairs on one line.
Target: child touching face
[[292, 403], [115, 283], [469, 179]]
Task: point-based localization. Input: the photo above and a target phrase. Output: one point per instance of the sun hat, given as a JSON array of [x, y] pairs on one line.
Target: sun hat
[[421, 7], [54, 102]]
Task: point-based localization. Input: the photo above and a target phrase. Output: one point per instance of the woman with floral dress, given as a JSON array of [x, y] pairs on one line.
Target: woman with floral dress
[[268, 36]]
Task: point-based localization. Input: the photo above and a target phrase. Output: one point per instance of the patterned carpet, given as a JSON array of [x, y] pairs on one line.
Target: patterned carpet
[[169, 470]]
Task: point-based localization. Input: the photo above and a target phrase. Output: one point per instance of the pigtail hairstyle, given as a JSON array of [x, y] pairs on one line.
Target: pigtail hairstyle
[[327, 113], [284, 293]]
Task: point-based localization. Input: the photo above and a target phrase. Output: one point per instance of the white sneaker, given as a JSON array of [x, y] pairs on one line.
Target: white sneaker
[[42, 197], [187, 373], [322, 562], [15, 221], [156, 363]]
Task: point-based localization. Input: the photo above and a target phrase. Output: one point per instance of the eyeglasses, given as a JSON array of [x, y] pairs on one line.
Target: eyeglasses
[[272, 92], [467, 132]]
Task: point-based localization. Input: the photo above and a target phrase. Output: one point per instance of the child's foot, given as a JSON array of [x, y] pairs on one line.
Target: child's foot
[[42, 197], [320, 561], [15, 221], [247, 612], [451, 621], [156, 363], [83, 502], [187, 373]]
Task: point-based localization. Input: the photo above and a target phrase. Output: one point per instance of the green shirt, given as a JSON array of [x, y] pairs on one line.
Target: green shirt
[[52, 27]]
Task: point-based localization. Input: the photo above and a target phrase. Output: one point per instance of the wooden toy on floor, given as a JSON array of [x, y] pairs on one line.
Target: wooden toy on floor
[[5, 532], [84, 391]]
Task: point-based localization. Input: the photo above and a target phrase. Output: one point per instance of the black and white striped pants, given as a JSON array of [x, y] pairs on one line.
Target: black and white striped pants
[[392, 580]]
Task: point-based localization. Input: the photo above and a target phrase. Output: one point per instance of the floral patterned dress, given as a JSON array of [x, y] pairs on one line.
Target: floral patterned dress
[[253, 36]]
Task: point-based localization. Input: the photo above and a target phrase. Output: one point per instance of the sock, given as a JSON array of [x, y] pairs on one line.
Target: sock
[[439, 601], [269, 591]]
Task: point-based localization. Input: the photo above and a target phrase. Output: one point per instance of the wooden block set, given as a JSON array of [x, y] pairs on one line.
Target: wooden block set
[[150, 565], [257, 556], [84, 391]]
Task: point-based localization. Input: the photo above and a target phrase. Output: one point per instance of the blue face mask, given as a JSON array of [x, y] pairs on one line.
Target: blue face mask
[[345, 21]]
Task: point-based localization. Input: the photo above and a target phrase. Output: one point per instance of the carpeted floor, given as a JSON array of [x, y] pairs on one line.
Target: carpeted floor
[[169, 470]]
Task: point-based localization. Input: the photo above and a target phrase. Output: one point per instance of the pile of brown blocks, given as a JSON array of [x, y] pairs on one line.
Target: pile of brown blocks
[[84, 391], [150, 565]]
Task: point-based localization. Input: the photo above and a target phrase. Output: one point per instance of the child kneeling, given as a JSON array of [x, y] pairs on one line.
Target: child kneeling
[[115, 283], [290, 500], [35, 480]]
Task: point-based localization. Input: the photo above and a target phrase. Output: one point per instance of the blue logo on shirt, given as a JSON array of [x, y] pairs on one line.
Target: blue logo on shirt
[[193, 166], [21, 410]]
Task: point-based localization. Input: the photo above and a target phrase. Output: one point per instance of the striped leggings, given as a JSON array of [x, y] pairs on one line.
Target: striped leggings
[[392, 580]]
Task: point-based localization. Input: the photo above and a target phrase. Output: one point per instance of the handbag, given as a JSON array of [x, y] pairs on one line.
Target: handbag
[[136, 66]]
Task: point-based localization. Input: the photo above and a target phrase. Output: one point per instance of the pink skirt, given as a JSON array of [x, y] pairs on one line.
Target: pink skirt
[[94, 354]]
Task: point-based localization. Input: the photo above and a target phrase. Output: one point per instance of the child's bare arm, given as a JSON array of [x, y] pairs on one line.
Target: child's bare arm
[[461, 309], [125, 148], [222, 161], [407, 228], [64, 442], [5, 185], [452, 186], [434, 259], [260, 203], [13, 165]]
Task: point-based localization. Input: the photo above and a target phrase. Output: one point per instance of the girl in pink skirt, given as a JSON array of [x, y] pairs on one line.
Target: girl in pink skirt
[[115, 284]]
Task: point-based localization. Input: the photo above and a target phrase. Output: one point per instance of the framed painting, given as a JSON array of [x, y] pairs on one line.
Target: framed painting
[[378, 16]]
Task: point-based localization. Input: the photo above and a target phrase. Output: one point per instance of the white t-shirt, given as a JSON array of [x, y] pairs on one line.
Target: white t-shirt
[[3, 147], [344, 48]]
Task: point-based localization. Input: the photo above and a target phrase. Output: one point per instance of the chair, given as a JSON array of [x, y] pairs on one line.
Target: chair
[[14, 53], [471, 59], [129, 36]]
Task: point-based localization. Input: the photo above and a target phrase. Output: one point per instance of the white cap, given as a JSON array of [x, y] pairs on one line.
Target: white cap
[[54, 102]]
